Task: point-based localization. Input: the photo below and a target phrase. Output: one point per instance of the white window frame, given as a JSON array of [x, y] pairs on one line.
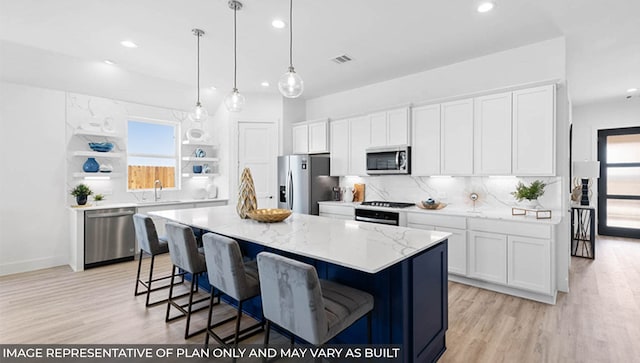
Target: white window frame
[[178, 157]]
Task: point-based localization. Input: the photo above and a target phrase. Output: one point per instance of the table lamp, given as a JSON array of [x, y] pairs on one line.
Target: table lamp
[[586, 170]]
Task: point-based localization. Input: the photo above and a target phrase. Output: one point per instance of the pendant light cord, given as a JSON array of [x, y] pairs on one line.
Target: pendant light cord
[[198, 82], [291, 33], [235, 55]]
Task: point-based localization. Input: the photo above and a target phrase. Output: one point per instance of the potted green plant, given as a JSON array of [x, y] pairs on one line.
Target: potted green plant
[[98, 198], [531, 193], [81, 192]]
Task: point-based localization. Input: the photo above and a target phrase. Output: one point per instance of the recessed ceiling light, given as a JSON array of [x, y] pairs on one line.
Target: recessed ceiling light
[[486, 6], [631, 90], [213, 88], [278, 24], [109, 62], [264, 84], [128, 44]]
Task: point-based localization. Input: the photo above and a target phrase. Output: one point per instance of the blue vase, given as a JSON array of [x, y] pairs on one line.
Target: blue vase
[[91, 166]]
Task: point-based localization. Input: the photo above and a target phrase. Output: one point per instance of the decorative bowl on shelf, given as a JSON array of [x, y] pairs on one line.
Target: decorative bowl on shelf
[[102, 147], [269, 215]]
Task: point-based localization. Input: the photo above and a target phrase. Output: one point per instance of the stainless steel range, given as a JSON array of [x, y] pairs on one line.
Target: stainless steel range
[[381, 212]]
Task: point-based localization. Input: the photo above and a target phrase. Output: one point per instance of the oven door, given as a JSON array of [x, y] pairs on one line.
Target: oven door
[[377, 216]]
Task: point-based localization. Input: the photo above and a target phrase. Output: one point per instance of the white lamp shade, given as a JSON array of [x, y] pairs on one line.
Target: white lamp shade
[[586, 169]]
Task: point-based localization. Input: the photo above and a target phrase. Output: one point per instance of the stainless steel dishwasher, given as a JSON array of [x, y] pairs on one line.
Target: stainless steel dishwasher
[[109, 236]]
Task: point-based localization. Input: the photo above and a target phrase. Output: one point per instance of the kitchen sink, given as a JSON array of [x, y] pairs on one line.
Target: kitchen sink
[[161, 201]]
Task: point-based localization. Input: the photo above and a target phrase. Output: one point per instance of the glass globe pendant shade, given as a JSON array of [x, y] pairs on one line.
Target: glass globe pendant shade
[[291, 84], [234, 101], [198, 113]]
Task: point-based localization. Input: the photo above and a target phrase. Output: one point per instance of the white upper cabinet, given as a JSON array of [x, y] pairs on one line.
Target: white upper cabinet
[[317, 136], [390, 127], [492, 139], [456, 146], [360, 140], [310, 137], [378, 129], [398, 126], [534, 131], [339, 137], [300, 139], [425, 140]]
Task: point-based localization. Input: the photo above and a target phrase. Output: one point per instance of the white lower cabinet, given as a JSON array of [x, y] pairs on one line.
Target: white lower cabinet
[[457, 254], [529, 262], [338, 211], [488, 257]]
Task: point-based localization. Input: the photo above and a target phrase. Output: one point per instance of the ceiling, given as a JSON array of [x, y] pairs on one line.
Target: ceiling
[[384, 39]]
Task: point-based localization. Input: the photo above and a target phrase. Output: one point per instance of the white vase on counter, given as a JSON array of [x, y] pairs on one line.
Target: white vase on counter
[[347, 194]]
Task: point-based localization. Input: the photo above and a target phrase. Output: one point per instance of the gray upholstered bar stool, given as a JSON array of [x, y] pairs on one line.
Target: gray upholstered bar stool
[[294, 298], [230, 275], [152, 245], [185, 255]]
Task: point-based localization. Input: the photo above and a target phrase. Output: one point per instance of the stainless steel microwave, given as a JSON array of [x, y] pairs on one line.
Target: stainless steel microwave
[[389, 160]]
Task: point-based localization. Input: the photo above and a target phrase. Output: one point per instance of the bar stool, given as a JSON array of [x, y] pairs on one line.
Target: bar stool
[[294, 298], [152, 245], [231, 276], [185, 255]]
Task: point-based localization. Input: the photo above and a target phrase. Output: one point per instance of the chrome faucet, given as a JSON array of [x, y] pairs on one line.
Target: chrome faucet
[[156, 193]]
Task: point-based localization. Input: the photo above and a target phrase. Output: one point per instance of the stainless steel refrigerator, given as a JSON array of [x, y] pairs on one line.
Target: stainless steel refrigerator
[[303, 181]]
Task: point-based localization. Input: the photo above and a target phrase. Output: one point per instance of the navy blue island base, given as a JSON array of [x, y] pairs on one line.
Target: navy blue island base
[[410, 308]]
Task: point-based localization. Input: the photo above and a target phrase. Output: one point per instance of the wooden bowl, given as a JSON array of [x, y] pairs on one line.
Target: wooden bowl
[[269, 215], [435, 206]]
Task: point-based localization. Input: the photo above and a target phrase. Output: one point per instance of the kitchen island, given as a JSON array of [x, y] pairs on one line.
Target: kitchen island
[[404, 269]]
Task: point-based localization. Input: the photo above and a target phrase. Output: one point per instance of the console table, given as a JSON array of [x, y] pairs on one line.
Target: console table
[[583, 232]]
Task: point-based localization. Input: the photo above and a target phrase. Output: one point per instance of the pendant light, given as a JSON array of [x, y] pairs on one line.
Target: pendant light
[[290, 84], [234, 100], [198, 113]]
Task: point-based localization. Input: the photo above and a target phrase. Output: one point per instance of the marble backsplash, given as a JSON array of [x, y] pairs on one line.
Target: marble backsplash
[[493, 192], [96, 114]]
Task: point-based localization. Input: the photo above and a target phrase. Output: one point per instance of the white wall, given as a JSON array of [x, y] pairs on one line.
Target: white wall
[[531, 63], [589, 118], [294, 110], [34, 221]]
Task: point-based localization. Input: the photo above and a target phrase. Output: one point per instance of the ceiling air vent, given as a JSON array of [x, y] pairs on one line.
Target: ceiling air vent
[[341, 59]]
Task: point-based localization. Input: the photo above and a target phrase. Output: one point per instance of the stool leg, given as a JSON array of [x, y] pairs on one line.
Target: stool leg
[[206, 339], [266, 333], [235, 339], [193, 282], [150, 279], [173, 276], [135, 293]]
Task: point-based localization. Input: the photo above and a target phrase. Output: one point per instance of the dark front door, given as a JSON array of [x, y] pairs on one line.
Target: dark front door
[[619, 183]]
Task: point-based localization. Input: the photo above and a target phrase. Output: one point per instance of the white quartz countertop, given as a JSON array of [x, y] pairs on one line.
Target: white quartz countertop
[[105, 205], [361, 246], [462, 211]]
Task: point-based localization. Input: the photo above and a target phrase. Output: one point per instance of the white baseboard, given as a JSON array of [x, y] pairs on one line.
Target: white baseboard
[[32, 265]]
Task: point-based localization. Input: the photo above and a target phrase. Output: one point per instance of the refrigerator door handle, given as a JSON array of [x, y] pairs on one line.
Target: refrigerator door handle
[[290, 197]]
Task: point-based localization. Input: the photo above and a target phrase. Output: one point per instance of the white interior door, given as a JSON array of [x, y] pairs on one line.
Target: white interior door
[[258, 151]]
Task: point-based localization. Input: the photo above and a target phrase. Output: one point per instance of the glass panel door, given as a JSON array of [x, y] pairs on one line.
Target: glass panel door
[[619, 183]]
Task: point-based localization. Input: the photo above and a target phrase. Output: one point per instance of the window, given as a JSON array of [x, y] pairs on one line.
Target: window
[[152, 154]]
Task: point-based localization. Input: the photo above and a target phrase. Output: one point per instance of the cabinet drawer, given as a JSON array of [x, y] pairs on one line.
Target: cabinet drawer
[[437, 220], [511, 228], [346, 210]]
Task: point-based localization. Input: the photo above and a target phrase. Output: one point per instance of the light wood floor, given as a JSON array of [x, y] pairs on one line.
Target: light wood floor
[[599, 321]]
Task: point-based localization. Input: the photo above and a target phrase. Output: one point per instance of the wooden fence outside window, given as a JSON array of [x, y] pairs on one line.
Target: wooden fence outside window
[[144, 176]]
